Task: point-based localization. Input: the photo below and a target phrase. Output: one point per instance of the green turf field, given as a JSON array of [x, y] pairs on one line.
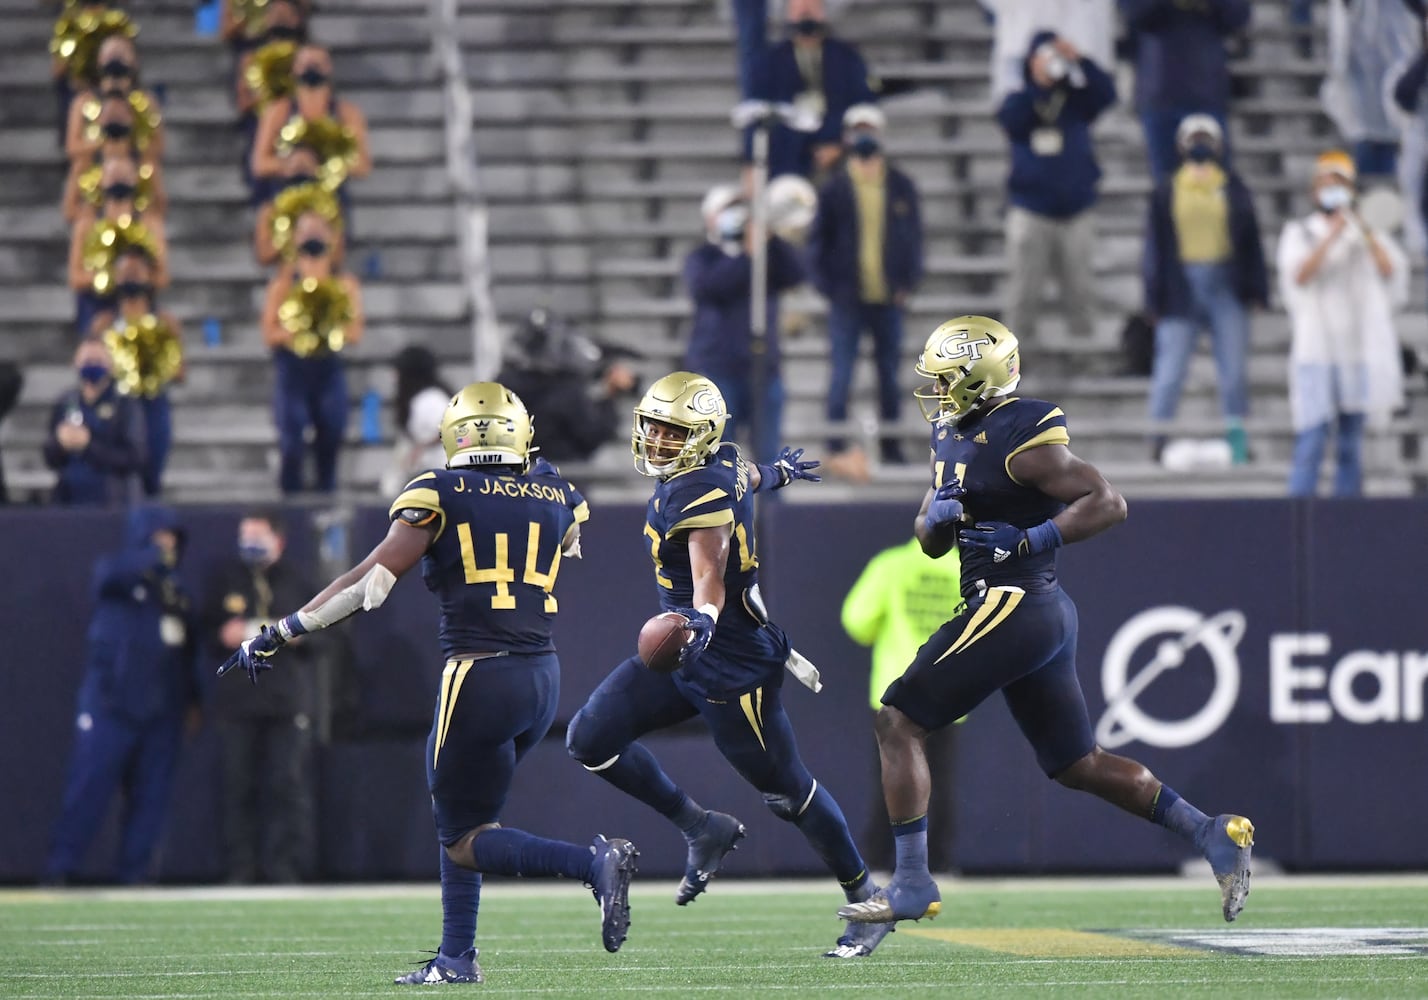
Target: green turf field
[[1027, 938]]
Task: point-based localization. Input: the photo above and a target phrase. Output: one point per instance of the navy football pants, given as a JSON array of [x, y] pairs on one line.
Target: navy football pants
[[1023, 645], [488, 716]]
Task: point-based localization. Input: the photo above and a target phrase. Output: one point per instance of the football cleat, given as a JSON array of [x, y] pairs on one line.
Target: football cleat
[[614, 866], [720, 834], [895, 901], [1228, 840], [444, 969], [859, 940]]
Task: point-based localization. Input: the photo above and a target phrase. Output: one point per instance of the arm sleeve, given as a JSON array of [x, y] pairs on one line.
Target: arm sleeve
[[1152, 267], [55, 456], [820, 239], [915, 249], [1294, 248], [1098, 94], [1257, 276], [865, 607], [1408, 91], [118, 574], [1037, 425], [717, 279], [1142, 14], [119, 451], [1017, 114]]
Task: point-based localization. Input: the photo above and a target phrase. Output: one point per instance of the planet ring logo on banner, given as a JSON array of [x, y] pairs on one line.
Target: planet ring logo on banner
[[1183, 629]]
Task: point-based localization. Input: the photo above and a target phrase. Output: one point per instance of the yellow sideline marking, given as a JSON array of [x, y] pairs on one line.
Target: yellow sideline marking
[[1046, 942]]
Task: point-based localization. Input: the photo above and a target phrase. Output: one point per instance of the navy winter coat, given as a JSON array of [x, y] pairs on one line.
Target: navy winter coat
[[833, 241]]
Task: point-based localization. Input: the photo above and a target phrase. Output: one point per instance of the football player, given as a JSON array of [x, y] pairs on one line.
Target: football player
[[1008, 492], [489, 531], [700, 530]]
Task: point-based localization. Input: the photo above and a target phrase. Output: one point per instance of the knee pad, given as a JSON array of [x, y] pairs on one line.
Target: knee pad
[[788, 807], [581, 742]]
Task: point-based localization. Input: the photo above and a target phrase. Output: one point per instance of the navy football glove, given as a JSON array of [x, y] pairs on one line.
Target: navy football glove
[[701, 630], [1002, 541], [946, 505], [786, 468], [253, 654]]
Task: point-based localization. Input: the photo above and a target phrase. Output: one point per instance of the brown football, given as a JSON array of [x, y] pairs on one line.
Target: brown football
[[661, 639]]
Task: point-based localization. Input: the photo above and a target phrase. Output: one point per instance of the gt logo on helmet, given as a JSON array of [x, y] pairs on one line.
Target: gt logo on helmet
[[704, 402], [960, 345]]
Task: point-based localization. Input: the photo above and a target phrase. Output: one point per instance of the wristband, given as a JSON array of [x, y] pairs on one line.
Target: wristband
[[769, 479], [1043, 537], [710, 610], [291, 626]]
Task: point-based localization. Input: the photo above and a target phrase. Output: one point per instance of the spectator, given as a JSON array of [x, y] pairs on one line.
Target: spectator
[[294, 194], [865, 252], [1204, 268], [266, 729], [312, 311], [74, 45], [324, 117], [1181, 68], [101, 236], [1408, 83], [422, 398], [899, 599], [94, 439], [154, 359], [1053, 182], [1367, 38], [12, 380], [1341, 282], [824, 77], [84, 187], [264, 73], [718, 277], [570, 384], [1088, 25], [118, 82], [140, 687]]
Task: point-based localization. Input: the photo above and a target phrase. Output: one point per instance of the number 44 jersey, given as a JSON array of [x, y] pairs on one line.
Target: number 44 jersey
[[496, 554]]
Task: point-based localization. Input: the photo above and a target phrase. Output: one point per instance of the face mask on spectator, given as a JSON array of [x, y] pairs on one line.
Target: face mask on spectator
[[119, 191], [283, 33], [116, 130], [134, 289], [730, 223], [255, 553], [313, 77], [1201, 152], [313, 247], [865, 146], [808, 27], [1335, 197], [93, 373], [117, 68]]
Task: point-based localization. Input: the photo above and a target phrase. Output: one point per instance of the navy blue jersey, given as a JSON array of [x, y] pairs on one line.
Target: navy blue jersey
[[496, 554], [745, 648], [977, 451]]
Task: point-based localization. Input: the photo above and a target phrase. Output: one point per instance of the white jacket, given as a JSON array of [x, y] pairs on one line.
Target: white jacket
[[1343, 318]]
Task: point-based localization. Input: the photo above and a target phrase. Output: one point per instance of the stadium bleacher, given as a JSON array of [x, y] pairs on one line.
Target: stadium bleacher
[[599, 125]]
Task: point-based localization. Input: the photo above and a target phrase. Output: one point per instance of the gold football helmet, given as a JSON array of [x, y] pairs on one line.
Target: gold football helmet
[[486, 424], [681, 399], [969, 359]]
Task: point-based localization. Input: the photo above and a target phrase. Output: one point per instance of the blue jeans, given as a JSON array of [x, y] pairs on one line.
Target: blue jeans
[[750, 39], [845, 326], [1212, 294], [1160, 125], [311, 392], [1309, 448], [158, 436], [738, 393]]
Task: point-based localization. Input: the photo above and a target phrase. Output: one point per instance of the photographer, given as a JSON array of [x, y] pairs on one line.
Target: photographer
[[570, 384]]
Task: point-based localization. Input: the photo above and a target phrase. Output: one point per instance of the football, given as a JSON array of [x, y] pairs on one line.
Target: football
[[661, 638]]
